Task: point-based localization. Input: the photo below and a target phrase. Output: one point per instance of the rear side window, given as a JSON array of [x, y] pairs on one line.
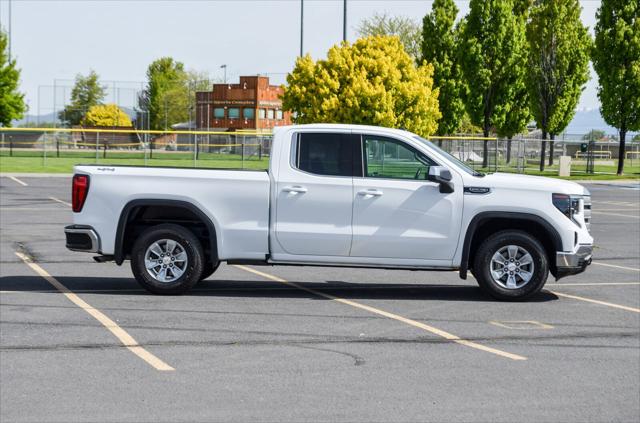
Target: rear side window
[[326, 153]]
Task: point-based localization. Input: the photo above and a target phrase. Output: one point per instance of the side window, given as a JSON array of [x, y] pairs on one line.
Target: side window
[[392, 159], [325, 154]]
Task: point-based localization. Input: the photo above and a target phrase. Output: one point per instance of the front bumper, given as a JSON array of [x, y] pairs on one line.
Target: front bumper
[[573, 263], [82, 238]]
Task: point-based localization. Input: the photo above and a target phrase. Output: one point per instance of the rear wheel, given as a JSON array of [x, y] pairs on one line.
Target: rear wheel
[[511, 265], [167, 259]]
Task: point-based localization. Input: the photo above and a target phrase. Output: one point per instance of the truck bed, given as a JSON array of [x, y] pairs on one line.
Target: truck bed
[[236, 201]]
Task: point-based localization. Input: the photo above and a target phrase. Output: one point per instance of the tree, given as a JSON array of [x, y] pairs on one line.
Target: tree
[[593, 135], [558, 66], [409, 31], [492, 44], [372, 81], [12, 104], [616, 60], [513, 107], [86, 92], [636, 138], [166, 81], [106, 115], [439, 45]]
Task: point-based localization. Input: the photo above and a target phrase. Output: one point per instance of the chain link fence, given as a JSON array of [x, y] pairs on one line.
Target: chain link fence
[[42, 149]]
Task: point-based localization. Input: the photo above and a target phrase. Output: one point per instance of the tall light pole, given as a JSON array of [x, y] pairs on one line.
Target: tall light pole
[[225, 72], [10, 30], [301, 26], [344, 21]]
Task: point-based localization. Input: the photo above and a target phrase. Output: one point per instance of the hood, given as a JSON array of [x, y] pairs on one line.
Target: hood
[[530, 182]]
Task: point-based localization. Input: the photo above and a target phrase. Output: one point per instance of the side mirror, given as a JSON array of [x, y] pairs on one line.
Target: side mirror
[[442, 176]]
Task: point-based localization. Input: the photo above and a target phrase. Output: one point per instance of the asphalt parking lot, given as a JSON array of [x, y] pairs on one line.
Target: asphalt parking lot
[[310, 344]]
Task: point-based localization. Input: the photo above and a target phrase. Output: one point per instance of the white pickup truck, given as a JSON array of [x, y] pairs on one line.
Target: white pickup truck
[[334, 195]]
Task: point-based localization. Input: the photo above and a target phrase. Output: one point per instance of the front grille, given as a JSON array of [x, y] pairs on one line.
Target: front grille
[[587, 212]]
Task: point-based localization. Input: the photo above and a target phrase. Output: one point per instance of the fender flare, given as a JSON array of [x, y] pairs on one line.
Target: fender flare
[[126, 211], [478, 219]]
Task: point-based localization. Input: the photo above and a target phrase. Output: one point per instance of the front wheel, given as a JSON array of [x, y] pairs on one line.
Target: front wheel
[[511, 265], [167, 259]]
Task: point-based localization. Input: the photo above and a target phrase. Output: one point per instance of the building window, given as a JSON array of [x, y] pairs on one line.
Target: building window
[[279, 114], [261, 113], [248, 113], [218, 113], [269, 113], [234, 113]]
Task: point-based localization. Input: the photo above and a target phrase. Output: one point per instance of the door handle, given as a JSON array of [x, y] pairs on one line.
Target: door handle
[[296, 189], [371, 192]]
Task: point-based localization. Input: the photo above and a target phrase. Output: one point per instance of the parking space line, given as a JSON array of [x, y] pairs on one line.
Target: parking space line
[[122, 335], [13, 178], [616, 214], [591, 300], [411, 322], [616, 266], [60, 201]]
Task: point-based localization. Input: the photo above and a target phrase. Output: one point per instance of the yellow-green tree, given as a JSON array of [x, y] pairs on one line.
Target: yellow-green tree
[[106, 115], [372, 81]]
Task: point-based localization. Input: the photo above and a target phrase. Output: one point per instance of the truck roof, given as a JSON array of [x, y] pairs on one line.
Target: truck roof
[[345, 127]]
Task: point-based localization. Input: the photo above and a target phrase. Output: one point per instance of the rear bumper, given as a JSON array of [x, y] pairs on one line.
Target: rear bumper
[[82, 238], [573, 263]]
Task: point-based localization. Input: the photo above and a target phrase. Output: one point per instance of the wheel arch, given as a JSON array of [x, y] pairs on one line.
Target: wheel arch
[[131, 209], [486, 223]]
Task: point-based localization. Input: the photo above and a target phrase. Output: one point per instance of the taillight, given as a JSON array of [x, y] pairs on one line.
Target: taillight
[[79, 191]]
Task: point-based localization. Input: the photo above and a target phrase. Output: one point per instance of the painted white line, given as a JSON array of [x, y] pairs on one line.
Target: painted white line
[[520, 324], [593, 284], [616, 214], [13, 178], [122, 335], [60, 201], [591, 300], [414, 323], [616, 266]]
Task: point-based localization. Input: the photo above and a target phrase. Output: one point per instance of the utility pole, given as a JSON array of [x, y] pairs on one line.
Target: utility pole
[[301, 26], [344, 21]]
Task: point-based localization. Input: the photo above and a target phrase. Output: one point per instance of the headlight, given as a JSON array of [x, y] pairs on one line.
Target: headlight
[[568, 205]]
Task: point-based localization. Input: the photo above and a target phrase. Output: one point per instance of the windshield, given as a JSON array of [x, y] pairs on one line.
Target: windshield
[[451, 157]]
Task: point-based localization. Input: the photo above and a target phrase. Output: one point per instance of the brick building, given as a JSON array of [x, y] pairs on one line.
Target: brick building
[[251, 104]]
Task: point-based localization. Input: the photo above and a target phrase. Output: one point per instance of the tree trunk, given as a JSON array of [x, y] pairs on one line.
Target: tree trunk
[[551, 148], [508, 150], [621, 151], [543, 150], [485, 147]]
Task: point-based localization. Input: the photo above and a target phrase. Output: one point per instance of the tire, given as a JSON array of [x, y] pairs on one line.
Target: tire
[[178, 269], [208, 270], [518, 258]]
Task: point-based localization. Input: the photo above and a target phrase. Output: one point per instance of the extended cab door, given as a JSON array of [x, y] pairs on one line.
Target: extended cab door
[[314, 194], [397, 213]]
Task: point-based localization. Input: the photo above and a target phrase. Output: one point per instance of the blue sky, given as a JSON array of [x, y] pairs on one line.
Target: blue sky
[[53, 40]]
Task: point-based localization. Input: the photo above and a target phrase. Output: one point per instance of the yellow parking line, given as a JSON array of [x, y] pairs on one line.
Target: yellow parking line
[[411, 322], [13, 178], [616, 266], [57, 200], [591, 300], [122, 335]]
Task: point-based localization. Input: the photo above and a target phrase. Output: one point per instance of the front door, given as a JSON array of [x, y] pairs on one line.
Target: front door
[[315, 194], [397, 213]]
